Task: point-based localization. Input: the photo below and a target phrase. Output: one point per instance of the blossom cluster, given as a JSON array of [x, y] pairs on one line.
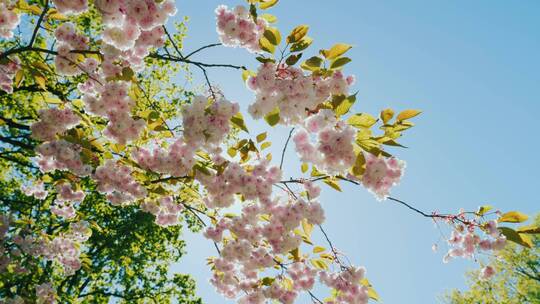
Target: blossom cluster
[[8, 18], [346, 283], [465, 242], [114, 103], [256, 184], [45, 293], [207, 122], [244, 256], [381, 174], [65, 248], [333, 152], [293, 92], [37, 190], [66, 62], [71, 6], [132, 28], [116, 181], [62, 155], [8, 71], [52, 122], [63, 205], [166, 210], [236, 28], [176, 161]]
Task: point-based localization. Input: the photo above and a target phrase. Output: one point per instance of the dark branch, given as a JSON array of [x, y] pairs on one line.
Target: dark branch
[[202, 48], [285, 148], [38, 23]]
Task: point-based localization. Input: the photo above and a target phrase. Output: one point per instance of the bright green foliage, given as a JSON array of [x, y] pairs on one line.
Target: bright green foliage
[[128, 256], [517, 278]]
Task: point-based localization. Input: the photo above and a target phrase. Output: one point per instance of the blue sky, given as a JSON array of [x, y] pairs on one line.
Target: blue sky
[[471, 66]]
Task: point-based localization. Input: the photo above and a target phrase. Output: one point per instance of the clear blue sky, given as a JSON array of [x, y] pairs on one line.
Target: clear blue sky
[[471, 66]]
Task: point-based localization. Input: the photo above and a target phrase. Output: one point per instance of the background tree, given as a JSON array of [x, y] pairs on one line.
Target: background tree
[[517, 278]]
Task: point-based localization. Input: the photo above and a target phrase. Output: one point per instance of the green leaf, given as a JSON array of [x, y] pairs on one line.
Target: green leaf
[[312, 64], [318, 249], [263, 59], [345, 105], [265, 145], [359, 165], [513, 217], [297, 33], [483, 209], [362, 120], [511, 235], [267, 4], [530, 229], [319, 263], [407, 114], [269, 18], [238, 122], [293, 59], [302, 44], [273, 118], [273, 35], [373, 294], [261, 137], [332, 182], [304, 167], [267, 281], [266, 45], [339, 62], [246, 74], [336, 50]]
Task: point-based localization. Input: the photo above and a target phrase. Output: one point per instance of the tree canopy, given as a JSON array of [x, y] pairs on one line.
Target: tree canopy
[[105, 159]]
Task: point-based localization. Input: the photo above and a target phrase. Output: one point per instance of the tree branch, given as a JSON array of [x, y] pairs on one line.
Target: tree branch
[[285, 148], [38, 23], [202, 48]]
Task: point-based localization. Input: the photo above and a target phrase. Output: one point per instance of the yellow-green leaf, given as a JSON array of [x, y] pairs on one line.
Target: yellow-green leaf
[[246, 74], [238, 121], [513, 217], [301, 45], [386, 115], [312, 64], [373, 294], [273, 35], [267, 4], [407, 114], [41, 81], [304, 167], [265, 145], [261, 137], [318, 249], [339, 62], [269, 18], [362, 120], [530, 229], [267, 45], [359, 165], [521, 239], [273, 118], [19, 76], [483, 209], [297, 33], [332, 183], [336, 50]]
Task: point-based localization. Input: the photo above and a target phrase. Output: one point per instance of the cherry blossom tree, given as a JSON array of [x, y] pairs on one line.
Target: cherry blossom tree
[[105, 158]]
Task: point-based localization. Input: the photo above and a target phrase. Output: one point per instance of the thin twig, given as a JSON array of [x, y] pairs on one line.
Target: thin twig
[[40, 19], [285, 148], [202, 48]]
